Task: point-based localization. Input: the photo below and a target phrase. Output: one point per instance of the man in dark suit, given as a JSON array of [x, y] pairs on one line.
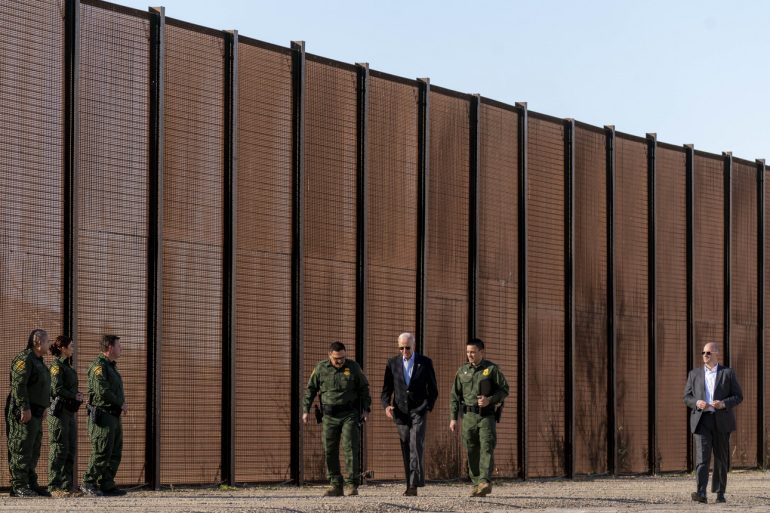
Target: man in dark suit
[[409, 392], [712, 391]]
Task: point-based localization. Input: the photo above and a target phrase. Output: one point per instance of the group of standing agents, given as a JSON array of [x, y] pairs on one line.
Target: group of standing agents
[[409, 392], [39, 393]]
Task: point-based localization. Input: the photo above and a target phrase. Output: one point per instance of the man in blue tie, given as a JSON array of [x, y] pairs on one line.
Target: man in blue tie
[[409, 392]]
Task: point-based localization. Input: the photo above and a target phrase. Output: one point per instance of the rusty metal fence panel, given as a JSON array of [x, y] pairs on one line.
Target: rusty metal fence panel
[[497, 301], [631, 316], [545, 299], [112, 213], [671, 306], [31, 181], [191, 345], [708, 253], [329, 226], [392, 254], [590, 300], [446, 278], [263, 265], [743, 309]]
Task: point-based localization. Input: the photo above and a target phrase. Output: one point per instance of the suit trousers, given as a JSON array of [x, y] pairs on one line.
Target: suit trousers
[[411, 433], [708, 439]]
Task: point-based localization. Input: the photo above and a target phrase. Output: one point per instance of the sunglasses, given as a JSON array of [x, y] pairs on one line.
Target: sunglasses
[[404, 348], [706, 353]]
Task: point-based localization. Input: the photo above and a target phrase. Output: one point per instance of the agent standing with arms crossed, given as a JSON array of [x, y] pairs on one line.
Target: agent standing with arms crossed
[[62, 431], [479, 389], [712, 391], [344, 394], [409, 392]]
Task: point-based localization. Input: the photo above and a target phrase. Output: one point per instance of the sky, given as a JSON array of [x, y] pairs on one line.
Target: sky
[[692, 71]]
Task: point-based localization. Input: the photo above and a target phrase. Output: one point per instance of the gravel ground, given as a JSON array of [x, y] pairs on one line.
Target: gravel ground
[[748, 491]]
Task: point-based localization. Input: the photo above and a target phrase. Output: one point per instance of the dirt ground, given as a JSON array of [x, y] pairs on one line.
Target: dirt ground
[[748, 491]]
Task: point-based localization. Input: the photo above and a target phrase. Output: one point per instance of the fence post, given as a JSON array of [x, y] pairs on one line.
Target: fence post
[[612, 428], [71, 163], [297, 267], [690, 215], [423, 174], [569, 299], [154, 242], [522, 289], [727, 158], [761, 438], [228, 256], [474, 154], [652, 315], [362, 116]]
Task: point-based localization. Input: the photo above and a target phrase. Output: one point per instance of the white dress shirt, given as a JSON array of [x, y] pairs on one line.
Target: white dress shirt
[[711, 380]]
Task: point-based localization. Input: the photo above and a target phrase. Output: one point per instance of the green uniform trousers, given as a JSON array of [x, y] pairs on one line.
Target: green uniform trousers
[[343, 426], [23, 449], [479, 438], [63, 440], [106, 449]]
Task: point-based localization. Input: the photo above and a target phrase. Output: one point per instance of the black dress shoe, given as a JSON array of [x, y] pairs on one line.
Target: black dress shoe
[[24, 491], [411, 492], [114, 492], [42, 491], [698, 497], [721, 497]]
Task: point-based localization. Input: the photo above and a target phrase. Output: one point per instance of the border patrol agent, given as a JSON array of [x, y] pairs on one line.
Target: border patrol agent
[[478, 392], [62, 429], [25, 409], [343, 391], [106, 403]]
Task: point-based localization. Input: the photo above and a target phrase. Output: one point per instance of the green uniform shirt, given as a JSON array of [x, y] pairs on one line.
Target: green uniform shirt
[[345, 385], [30, 381], [105, 386], [64, 379], [466, 386]]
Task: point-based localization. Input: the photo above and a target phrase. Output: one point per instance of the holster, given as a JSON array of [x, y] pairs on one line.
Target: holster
[[56, 406]]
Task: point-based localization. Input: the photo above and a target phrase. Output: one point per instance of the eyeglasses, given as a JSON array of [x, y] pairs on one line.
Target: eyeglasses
[[404, 348], [706, 353]]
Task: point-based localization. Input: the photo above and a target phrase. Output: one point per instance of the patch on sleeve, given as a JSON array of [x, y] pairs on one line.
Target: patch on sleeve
[[54, 370], [98, 370], [346, 372], [486, 372], [19, 366]]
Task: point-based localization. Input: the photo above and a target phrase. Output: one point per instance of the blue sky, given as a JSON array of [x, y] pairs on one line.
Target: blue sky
[[693, 71]]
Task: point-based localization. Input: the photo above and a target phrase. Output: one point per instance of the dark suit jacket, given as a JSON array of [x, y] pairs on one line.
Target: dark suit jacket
[[422, 392], [726, 389]]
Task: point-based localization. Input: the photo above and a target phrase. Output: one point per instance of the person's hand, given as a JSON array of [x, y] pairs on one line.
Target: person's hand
[[365, 416], [304, 418], [483, 401], [701, 405], [452, 425], [389, 412], [26, 416], [79, 396], [124, 408], [719, 405]]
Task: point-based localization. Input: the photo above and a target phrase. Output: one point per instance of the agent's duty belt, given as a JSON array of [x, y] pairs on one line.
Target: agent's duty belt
[[478, 410], [337, 409]]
